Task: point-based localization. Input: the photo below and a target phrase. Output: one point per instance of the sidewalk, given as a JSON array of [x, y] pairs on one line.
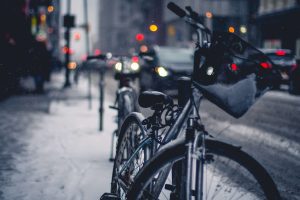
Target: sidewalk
[[50, 146]]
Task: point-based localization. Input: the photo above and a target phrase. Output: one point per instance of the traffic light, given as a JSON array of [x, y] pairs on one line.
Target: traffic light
[[139, 37], [69, 21]]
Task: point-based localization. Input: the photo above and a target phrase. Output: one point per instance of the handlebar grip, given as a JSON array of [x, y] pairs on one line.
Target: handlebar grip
[[101, 57], [176, 9]]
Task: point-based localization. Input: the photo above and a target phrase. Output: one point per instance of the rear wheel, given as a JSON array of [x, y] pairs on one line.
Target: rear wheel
[[131, 133], [229, 173]]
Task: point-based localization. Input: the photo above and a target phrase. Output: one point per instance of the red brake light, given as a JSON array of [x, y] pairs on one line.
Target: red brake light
[[234, 67], [280, 53], [265, 65], [135, 59]]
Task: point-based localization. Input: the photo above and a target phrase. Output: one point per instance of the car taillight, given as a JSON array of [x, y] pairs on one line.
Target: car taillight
[[265, 65], [135, 59], [234, 67], [280, 53]]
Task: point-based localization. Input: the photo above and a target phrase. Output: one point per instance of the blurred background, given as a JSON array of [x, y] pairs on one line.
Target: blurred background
[[51, 132], [68, 30]]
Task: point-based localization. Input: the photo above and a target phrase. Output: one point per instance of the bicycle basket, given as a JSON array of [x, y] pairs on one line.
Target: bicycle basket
[[234, 74]]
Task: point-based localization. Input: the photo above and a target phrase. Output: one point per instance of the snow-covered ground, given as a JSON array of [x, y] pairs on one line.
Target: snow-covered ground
[[62, 154], [50, 146]]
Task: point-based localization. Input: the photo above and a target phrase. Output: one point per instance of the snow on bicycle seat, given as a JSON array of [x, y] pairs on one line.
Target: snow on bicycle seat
[[150, 98]]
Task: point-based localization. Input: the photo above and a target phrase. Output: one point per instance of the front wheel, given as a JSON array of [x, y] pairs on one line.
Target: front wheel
[[229, 173]]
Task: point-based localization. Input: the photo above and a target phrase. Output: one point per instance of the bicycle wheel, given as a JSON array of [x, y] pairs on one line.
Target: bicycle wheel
[[126, 104], [229, 173], [132, 132]]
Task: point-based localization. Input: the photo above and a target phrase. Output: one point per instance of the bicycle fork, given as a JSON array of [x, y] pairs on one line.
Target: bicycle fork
[[193, 136]]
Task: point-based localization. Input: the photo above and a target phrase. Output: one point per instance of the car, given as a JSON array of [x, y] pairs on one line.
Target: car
[[285, 61], [128, 66], [163, 65]]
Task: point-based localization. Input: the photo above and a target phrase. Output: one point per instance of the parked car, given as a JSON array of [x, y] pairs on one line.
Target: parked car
[[285, 61], [163, 65]]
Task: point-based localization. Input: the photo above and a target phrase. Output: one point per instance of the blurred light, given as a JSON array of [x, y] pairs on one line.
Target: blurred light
[[153, 28], [77, 36], [118, 66], [41, 37], [161, 71], [109, 55], [65, 50], [50, 9], [135, 66], [265, 65], [71, 51], [243, 29], [143, 48], [171, 30], [208, 14], [280, 53], [135, 59], [234, 67], [231, 29], [43, 17], [210, 71], [83, 57], [139, 37], [97, 52], [72, 65]]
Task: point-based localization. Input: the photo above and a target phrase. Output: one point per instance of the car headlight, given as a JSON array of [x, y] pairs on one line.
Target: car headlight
[[135, 66], [118, 66], [161, 71]]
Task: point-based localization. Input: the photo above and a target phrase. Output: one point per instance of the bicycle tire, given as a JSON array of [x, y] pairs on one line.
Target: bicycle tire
[[174, 152], [131, 133], [126, 104]]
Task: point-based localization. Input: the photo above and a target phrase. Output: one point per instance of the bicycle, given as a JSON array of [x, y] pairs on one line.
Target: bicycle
[[195, 162], [125, 101]]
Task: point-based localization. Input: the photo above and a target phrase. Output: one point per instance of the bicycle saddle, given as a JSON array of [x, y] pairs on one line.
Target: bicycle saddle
[[150, 98]]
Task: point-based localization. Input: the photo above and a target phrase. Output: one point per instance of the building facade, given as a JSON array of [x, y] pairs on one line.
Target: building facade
[[220, 15], [277, 21], [121, 21]]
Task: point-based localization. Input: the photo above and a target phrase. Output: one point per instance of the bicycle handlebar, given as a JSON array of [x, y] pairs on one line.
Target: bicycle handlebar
[[176, 9], [193, 18]]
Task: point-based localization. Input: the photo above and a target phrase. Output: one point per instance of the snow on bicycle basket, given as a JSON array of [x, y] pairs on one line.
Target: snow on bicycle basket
[[234, 74]]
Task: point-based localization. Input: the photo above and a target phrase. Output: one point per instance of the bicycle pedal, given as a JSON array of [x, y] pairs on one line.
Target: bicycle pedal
[[170, 187], [109, 196]]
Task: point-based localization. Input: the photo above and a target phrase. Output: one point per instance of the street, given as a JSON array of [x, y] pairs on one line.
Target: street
[[51, 148]]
